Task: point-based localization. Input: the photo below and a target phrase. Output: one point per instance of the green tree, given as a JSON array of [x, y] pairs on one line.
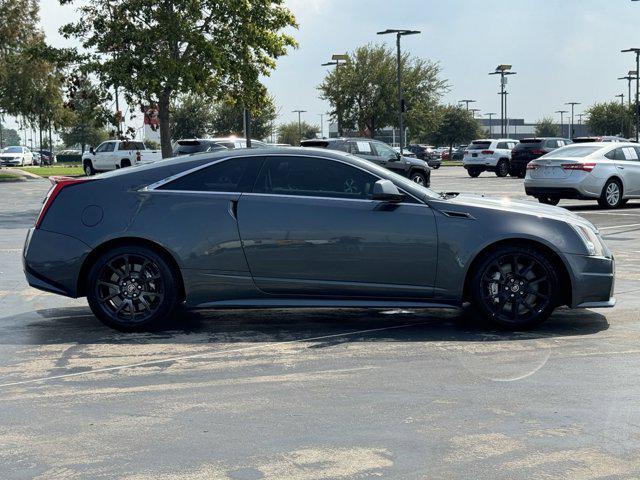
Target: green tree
[[155, 50], [290, 132], [87, 116], [364, 89], [228, 117], [192, 117], [454, 125], [546, 127], [610, 118], [9, 136]]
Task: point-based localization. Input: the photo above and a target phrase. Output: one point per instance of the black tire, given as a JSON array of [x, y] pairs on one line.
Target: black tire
[[611, 196], [474, 172], [549, 200], [436, 166], [125, 162], [419, 178], [502, 168], [530, 290], [132, 288], [88, 168]]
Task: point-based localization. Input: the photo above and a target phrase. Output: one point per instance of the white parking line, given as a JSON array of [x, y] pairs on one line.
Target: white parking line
[[620, 226], [205, 354]]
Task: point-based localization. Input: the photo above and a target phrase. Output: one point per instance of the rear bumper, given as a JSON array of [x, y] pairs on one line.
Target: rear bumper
[[593, 281], [559, 192], [52, 261]]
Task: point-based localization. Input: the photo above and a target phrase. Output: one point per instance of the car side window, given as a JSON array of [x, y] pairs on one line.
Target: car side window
[[313, 177], [502, 146], [108, 147], [361, 148], [551, 144], [384, 151], [233, 175], [630, 153]]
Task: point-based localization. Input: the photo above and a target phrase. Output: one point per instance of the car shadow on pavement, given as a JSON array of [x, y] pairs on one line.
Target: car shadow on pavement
[[77, 325]]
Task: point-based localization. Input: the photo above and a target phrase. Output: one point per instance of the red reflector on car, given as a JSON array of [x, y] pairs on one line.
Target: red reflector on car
[[487, 152], [532, 166], [585, 167], [538, 152], [58, 184]]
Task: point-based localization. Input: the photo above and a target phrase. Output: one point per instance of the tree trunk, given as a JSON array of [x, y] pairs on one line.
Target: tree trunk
[[165, 129]]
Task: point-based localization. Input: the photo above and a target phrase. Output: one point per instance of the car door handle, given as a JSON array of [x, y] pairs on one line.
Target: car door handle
[[233, 209]]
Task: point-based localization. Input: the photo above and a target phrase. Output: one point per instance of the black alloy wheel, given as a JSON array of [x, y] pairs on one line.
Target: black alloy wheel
[[515, 287], [502, 169], [132, 288]]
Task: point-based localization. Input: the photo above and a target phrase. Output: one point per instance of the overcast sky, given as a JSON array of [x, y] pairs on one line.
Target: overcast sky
[[562, 50]]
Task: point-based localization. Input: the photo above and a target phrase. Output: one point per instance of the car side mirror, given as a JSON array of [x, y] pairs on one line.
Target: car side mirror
[[386, 191], [92, 151]]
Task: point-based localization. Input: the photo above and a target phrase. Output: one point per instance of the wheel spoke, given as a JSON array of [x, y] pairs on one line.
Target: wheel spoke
[[108, 284], [538, 280], [109, 297]]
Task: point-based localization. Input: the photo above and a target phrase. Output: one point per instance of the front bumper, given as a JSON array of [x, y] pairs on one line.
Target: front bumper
[[593, 281], [52, 261]]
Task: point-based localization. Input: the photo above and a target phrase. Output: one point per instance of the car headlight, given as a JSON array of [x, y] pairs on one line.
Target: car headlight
[[590, 239]]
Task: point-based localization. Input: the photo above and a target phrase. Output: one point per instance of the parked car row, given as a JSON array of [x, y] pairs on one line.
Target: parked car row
[[19, 156]]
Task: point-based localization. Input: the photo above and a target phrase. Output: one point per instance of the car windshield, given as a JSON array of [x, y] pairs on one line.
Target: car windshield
[[573, 151], [12, 150]]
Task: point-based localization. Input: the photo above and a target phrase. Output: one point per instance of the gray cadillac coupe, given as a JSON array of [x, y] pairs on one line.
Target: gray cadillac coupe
[[289, 227]]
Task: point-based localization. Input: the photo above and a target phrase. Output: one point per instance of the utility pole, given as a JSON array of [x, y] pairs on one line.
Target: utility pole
[[299, 122], [621, 97], [401, 106], [637, 53], [467, 102], [503, 70], [573, 104], [336, 58], [562, 112], [490, 115], [630, 76], [473, 111], [580, 115]]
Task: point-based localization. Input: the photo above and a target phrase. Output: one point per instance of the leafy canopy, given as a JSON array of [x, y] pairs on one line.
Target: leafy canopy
[[290, 132], [547, 127]]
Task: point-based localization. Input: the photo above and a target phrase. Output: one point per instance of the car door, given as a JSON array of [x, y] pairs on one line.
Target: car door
[[310, 227], [627, 160], [102, 157], [391, 158]]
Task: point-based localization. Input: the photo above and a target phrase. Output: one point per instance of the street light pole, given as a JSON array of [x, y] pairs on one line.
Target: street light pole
[[637, 52], [573, 104], [473, 111], [335, 60], [503, 70], [630, 76], [562, 112], [621, 97], [467, 102], [299, 122], [401, 106], [490, 115]]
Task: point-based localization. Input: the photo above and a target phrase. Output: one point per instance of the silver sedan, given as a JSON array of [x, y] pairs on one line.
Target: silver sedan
[[606, 172]]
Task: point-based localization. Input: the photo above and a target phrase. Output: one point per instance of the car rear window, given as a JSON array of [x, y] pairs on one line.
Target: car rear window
[[131, 146], [234, 175], [573, 151], [479, 145], [315, 143]]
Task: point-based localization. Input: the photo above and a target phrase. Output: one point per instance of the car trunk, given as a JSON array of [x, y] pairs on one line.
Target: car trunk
[[553, 168]]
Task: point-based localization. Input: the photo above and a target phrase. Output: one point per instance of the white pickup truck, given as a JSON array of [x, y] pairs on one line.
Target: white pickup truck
[[114, 154]]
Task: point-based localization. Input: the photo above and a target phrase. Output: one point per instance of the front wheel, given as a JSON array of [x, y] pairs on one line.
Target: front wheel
[[88, 168], [419, 178], [132, 288], [549, 200], [611, 196], [515, 287]]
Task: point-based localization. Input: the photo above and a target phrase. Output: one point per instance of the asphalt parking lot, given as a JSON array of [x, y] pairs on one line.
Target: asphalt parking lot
[[319, 394]]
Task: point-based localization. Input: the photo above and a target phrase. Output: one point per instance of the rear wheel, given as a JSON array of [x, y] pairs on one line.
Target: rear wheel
[[611, 196], [515, 287], [125, 163], [132, 288], [502, 168], [549, 200], [474, 172]]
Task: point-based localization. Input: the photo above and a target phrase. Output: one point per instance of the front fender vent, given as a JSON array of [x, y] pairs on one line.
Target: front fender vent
[[454, 214]]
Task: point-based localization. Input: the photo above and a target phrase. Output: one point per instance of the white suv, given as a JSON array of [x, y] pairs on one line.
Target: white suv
[[490, 155]]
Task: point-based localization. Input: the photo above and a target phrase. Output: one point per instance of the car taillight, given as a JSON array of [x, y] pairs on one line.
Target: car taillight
[[538, 152], [532, 166], [487, 152], [58, 183], [138, 156], [585, 167]]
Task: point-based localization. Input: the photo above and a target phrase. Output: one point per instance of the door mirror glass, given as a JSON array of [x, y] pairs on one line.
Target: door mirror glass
[[386, 191], [92, 151]]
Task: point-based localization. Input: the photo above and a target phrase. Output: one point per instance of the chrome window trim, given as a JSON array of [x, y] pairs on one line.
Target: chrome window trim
[[153, 187]]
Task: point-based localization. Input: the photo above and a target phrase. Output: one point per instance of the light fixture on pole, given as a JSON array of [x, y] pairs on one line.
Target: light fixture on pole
[[299, 121], [467, 102], [336, 58], [573, 104], [503, 70], [562, 112], [580, 115], [473, 111], [629, 77], [637, 53], [401, 106]]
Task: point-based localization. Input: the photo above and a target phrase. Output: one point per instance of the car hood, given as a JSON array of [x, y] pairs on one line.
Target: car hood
[[11, 155], [524, 207]]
